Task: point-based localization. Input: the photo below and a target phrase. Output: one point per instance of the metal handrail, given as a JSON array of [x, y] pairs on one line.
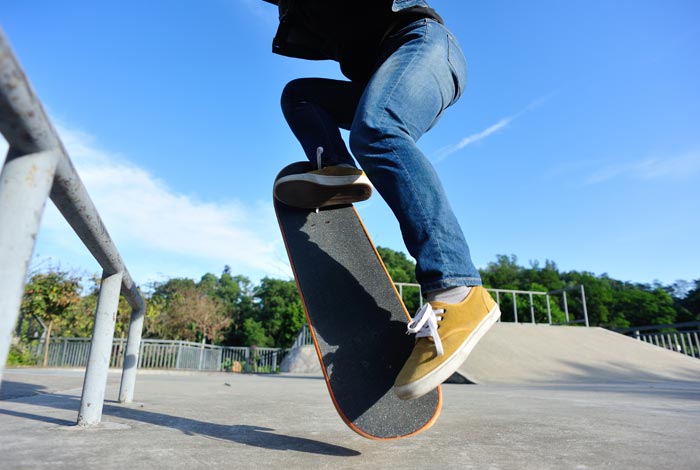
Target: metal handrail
[[530, 294], [37, 166]]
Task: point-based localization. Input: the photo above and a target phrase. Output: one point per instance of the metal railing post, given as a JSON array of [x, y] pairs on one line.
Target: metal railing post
[[131, 356], [583, 302], [92, 400], [25, 183], [566, 307], [498, 301]]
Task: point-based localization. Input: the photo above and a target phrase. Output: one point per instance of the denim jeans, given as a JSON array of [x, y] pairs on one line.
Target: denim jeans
[[422, 71]]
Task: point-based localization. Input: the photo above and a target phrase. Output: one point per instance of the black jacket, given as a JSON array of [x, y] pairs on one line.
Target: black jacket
[[293, 39]]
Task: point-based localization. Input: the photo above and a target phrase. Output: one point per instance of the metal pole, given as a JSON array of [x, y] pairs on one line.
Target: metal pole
[[532, 310], [63, 352], [566, 307], [685, 349], [179, 355], [131, 356], [498, 301], [690, 345], [201, 357], [515, 309], [583, 301], [549, 310], [142, 346], [92, 401], [25, 183]]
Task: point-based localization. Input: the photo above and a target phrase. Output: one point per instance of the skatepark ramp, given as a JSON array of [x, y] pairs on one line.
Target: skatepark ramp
[[523, 353], [540, 354]]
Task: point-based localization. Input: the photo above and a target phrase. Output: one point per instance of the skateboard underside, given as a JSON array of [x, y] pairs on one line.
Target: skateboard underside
[[356, 317]]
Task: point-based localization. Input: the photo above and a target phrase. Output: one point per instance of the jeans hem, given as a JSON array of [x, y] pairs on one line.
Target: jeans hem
[[451, 282]]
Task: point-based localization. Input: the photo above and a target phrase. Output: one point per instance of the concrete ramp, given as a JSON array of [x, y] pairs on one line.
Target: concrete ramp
[[533, 354]]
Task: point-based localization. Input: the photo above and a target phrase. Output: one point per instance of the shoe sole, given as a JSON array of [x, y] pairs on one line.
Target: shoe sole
[[308, 193], [441, 373]]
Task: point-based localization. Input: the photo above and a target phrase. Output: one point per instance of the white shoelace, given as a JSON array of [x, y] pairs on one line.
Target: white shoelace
[[425, 324], [319, 152]]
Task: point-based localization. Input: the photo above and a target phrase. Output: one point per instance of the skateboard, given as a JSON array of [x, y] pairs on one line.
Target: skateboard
[[356, 317]]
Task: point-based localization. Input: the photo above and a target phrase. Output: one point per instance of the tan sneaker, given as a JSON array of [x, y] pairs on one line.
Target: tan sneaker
[[445, 335], [329, 186]]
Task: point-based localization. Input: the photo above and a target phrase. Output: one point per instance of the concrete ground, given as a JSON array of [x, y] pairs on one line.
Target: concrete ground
[[219, 420]]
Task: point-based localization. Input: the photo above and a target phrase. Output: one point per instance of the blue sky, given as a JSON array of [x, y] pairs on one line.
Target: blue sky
[[577, 139]]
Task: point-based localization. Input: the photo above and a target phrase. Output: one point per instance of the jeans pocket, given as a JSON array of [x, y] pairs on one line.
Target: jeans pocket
[[458, 65]]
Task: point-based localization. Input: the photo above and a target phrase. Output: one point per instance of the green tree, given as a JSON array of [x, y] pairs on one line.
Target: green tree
[[235, 293], [599, 297], [162, 321], [280, 310], [505, 273], [49, 296], [255, 334], [642, 307], [402, 269], [690, 304], [200, 314], [79, 321]]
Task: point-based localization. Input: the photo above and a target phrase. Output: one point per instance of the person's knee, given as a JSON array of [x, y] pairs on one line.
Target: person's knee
[[362, 140], [368, 138], [293, 92]]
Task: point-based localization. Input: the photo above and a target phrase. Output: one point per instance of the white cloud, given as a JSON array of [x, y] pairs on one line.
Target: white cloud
[[479, 136], [472, 139], [147, 219], [671, 168]]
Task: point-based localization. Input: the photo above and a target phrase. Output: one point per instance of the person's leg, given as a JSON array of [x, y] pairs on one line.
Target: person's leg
[[315, 109], [423, 74]]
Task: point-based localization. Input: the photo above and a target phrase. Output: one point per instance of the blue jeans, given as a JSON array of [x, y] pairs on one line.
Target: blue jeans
[[422, 71]]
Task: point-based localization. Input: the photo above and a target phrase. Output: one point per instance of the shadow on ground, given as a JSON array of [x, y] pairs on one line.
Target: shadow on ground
[[256, 436]]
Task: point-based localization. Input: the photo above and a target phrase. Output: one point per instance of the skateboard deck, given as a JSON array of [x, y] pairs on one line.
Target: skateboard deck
[[356, 317]]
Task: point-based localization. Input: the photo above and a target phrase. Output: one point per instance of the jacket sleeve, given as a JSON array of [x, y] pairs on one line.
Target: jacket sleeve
[[293, 39]]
